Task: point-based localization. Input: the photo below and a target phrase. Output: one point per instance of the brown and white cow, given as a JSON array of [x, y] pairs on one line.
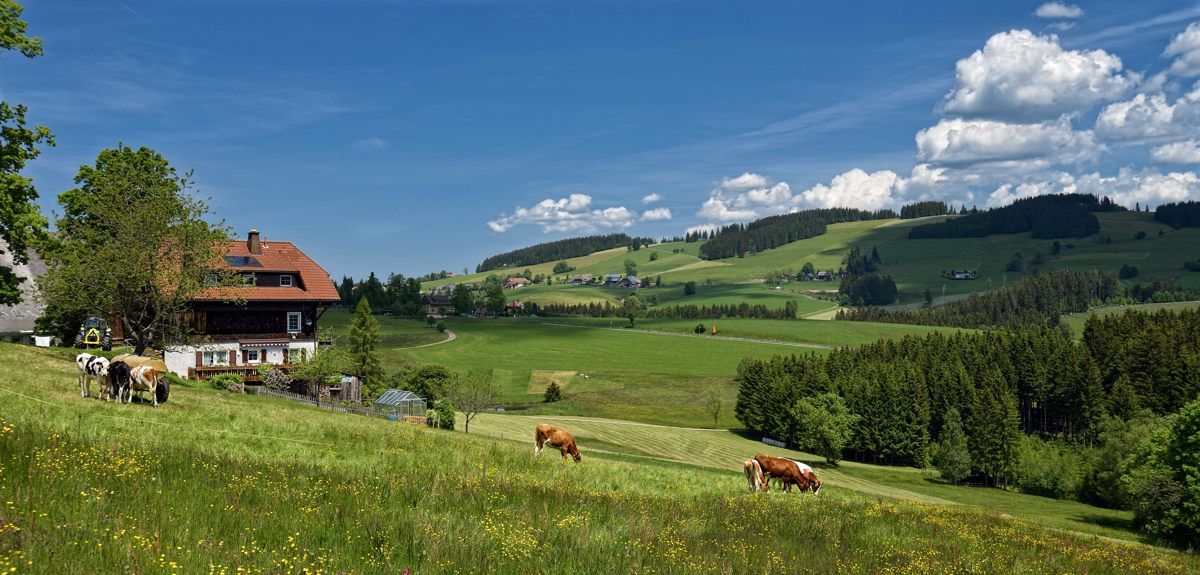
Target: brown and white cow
[[555, 437], [91, 367], [789, 473], [143, 378], [754, 477]]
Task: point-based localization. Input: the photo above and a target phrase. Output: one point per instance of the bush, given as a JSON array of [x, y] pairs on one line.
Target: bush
[[700, 329], [441, 326], [1140, 235], [441, 414], [1050, 469], [1127, 272], [275, 379], [227, 381], [1193, 266], [553, 393], [689, 288]]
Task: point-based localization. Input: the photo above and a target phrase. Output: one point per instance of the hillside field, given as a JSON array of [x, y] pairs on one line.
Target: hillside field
[[215, 482], [659, 377], [916, 265]]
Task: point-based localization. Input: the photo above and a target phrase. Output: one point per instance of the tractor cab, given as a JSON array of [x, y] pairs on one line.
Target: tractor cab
[[94, 332]]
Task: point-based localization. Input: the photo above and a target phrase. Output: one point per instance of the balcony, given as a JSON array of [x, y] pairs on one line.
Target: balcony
[[249, 373]]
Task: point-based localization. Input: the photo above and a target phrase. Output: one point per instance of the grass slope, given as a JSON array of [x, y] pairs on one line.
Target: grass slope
[[223, 483]]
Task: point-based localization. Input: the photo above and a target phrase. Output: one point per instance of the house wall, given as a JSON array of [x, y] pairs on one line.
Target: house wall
[[180, 358]]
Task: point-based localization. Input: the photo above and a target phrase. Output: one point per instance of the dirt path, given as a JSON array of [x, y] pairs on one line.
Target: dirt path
[[678, 334], [449, 338]]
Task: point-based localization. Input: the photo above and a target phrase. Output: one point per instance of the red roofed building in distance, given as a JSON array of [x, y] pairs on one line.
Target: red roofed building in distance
[[272, 319]]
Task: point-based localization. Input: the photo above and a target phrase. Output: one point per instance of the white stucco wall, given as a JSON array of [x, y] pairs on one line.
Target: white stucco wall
[[179, 359]]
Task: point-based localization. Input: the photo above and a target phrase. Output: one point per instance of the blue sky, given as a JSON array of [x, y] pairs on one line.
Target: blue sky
[[418, 136]]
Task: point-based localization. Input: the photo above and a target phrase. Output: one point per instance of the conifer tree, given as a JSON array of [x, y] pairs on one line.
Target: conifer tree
[[364, 339], [953, 460]]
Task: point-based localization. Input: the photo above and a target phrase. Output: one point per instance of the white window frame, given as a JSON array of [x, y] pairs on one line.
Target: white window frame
[[215, 358], [288, 279], [299, 322], [252, 356]]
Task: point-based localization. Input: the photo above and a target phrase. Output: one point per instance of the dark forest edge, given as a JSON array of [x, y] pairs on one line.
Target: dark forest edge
[[1048, 217], [560, 250], [1105, 421]]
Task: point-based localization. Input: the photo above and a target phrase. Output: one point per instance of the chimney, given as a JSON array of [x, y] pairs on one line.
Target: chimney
[[252, 243]]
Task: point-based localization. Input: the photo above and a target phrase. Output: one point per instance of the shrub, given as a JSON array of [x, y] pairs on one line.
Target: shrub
[[227, 381], [689, 288], [700, 329], [1127, 272], [1049, 468], [1016, 264], [441, 414], [275, 379], [1192, 266], [441, 326], [1141, 235], [553, 393]]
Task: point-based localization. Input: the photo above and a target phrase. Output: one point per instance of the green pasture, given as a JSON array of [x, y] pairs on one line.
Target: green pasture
[[1076, 321], [215, 482], [394, 332], [671, 293], [724, 449]]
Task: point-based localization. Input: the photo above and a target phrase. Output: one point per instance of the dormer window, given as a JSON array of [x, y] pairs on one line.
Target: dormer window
[[285, 281], [248, 280]]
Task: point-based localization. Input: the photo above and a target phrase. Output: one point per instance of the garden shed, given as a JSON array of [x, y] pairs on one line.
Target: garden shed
[[400, 403]]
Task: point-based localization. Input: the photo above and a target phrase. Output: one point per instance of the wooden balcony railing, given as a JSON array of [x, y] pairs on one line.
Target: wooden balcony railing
[[248, 372]]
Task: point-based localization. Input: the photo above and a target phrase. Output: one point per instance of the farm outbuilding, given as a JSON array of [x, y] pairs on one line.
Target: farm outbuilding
[[400, 403]]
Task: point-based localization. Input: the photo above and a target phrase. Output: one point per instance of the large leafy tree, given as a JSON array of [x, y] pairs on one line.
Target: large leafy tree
[[134, 245], [364, 339], [21, 223], [824, 424]]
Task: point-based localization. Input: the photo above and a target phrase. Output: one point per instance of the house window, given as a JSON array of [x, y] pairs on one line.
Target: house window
[[285, 281], [252, 356], [216, 358], [293, 356], [293, 322], [248, 279]]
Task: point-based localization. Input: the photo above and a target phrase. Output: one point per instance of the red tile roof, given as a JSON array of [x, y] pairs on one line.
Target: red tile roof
[[285, 257]]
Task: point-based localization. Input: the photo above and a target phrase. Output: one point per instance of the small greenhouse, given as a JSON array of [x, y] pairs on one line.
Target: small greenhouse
[[400, 403]]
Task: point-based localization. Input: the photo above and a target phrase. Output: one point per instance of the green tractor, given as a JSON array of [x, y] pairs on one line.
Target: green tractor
[[94, 333]]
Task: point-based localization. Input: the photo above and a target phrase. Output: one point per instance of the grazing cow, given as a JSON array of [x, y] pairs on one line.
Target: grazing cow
[[164, 388], [144, 378], [91, 367], [810, 478], [555, 437], [783, 470], [754, 477], [119, 377]]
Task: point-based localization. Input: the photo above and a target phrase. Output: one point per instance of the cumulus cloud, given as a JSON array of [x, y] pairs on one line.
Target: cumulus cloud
[[960, 143], [570, 214], [744, 182], [856, 189], [1019, 75], [1058, 11], [656, 215], [1185, 48], [650, 199], [1150, 117], [1128, 187], [1185, 152]]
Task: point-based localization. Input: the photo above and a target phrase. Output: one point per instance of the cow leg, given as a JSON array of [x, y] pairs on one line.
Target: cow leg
[[83, 386], [154, 394], [563, 449], [537, 447]]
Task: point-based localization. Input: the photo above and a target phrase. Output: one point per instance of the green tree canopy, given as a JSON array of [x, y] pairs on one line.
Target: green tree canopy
[[364, 339], [823, 424], [134, 244], [21, 222], [953, 460]]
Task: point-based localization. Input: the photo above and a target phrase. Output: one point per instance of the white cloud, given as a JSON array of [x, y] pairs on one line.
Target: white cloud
[[1058, 11], [856, 189], [656, 215], [960, 143], [570, 214], [744, 182], [1062, 26], [650, 199], [1150, 117], [1020, 75], [1128, 187], [1185, 47], [372, 143], [1186, 152]]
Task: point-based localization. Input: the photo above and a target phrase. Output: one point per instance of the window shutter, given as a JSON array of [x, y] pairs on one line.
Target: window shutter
[[233, 359], [199, 358]]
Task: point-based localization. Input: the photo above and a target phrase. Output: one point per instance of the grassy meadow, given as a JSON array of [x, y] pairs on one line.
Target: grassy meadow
[[916, 265], [213, 482]]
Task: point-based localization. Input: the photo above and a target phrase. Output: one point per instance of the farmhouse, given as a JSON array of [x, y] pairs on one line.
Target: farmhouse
[[630, 281], [582, 279], [612, 280], [962, 274], [284, 296], [437, 304], [514, 283]]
